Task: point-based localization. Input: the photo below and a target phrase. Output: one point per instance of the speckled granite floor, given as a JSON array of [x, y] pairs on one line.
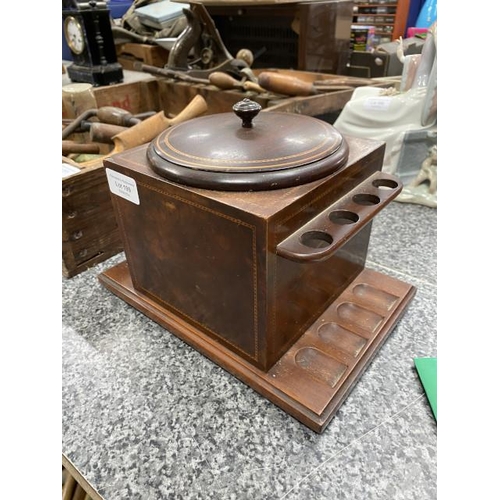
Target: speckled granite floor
[[147, 417]]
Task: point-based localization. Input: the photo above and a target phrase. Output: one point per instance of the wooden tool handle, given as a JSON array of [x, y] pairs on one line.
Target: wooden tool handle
[[254, 87], [141, 133], [196, 107], [223, 81], [104, 132], [116, 116], [284, 84], [72, 147], [151, 127]]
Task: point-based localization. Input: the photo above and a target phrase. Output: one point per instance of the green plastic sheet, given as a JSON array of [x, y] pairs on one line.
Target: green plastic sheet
[[427, 371]]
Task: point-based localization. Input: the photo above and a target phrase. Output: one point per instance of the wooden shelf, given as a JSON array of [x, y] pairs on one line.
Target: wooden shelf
[[398, 24]]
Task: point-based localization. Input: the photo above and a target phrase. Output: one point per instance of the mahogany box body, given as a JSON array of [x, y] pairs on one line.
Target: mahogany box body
[[212, 257]]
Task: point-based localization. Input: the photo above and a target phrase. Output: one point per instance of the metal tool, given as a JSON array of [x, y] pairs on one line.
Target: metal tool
[[106, 114], [100, 132], [178, 75], [146, 130], [199, 49], [292, 86]]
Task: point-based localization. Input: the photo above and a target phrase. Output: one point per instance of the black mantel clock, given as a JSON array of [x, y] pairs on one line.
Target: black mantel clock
[[88, 33]]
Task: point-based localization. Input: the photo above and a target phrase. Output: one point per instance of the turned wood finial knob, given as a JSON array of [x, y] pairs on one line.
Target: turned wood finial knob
[[247, 110]]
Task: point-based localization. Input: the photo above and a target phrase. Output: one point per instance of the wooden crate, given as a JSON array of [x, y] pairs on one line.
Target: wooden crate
[[174, 95], [152, 55], [89, 229], [136, 97]]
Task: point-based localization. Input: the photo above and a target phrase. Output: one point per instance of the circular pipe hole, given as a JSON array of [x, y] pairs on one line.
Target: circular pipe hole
[[365, 199], [343, 217], [316, 239], [385, 184]]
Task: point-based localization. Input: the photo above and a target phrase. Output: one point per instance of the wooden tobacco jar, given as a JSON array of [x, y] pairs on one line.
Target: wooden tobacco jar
[[246, 235]]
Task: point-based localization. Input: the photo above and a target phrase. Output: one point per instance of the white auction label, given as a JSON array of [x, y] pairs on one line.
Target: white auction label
[[381, 103], [123, 186], [68, 170]]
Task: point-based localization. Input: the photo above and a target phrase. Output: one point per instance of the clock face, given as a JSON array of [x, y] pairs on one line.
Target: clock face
[[73, 32]]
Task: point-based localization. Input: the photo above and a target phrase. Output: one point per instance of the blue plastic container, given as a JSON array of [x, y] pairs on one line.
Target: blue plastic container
[[119, 7], [428, 14]]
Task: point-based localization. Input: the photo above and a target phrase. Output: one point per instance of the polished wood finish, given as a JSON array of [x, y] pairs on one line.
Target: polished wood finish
[[326, 233], [316, 374], [211, 256], [271, 285], [270, 151]]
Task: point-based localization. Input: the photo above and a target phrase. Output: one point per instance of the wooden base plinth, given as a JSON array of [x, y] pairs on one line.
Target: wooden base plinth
[[312, 379]]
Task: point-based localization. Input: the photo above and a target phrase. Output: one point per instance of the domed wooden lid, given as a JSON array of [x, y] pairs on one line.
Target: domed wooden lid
[[243, 151]]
